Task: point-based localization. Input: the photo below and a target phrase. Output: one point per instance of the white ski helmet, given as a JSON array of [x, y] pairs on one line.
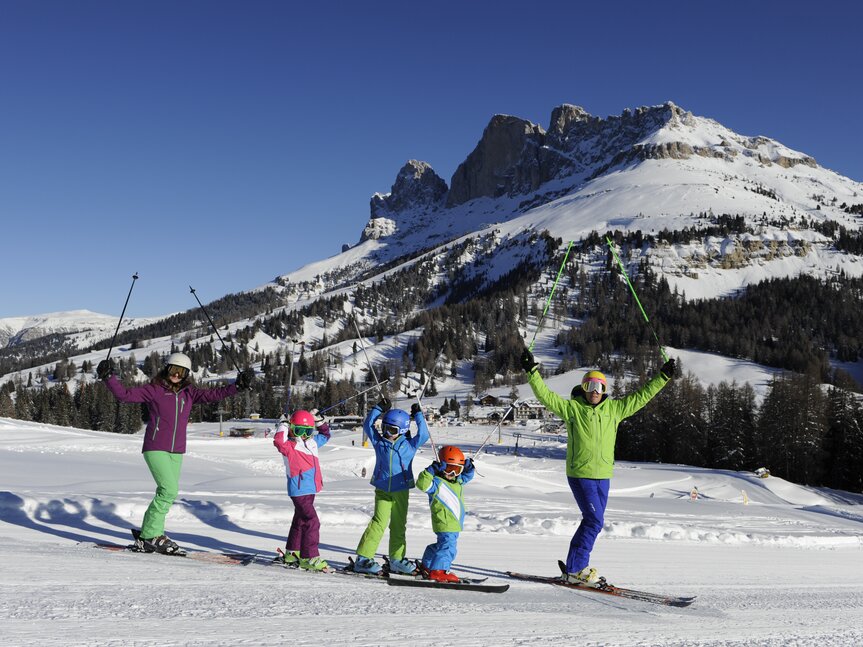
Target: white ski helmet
[[180, 359]]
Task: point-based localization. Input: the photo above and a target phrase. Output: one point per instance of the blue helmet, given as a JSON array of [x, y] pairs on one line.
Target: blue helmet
[[395, 422]]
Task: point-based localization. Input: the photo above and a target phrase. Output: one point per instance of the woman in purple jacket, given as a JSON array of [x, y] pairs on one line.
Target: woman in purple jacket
[[169, 397]]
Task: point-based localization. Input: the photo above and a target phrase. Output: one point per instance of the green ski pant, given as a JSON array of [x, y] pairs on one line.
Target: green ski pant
[[391, 509], [165, 468]]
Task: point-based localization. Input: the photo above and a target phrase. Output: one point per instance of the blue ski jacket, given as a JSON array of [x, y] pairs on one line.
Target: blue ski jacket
[[394, 459]]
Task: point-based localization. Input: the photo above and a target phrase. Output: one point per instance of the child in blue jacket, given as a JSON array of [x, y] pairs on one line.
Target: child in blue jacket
[[393, 479], [443, 481], [297, 442]]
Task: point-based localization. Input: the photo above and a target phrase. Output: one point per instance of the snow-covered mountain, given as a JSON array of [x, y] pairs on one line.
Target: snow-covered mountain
[[654, 169], [650, 169], [82, 326]]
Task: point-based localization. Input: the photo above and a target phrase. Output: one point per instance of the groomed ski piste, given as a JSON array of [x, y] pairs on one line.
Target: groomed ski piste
[[785, 568]]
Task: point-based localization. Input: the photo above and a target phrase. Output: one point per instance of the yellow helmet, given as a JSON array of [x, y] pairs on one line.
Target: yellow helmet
[[594, 381]]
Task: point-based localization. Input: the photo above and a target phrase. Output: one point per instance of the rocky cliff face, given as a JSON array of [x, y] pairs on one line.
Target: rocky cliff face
[[505, 162], [516, 157], [417, 185]]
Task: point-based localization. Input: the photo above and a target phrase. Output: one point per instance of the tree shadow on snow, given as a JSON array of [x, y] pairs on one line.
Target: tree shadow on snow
[[54, 512]]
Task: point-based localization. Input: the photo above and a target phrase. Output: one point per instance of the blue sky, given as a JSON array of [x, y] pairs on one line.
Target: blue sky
[[220, 144]]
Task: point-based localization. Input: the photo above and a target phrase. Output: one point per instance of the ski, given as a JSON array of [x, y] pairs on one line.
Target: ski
[[228, 559], [462, 585], [607, 589]]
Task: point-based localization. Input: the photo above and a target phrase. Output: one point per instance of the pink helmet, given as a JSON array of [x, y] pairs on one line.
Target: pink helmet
[[302, 423]]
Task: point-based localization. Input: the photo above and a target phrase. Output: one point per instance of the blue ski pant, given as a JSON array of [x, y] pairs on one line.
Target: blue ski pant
[[591, 495], [439, 556]]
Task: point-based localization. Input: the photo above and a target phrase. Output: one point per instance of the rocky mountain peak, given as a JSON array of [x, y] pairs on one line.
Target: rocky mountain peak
[[416, 185], [504, 162]]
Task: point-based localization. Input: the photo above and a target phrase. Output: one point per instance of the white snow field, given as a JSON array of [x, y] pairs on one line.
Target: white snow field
[[786, 568]]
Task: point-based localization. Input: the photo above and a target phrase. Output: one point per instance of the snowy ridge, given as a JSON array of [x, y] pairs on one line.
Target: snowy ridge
[[81, 326]]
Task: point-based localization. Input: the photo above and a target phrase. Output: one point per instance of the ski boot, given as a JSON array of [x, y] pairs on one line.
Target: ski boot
[[316, 564], [402, 566], [161, 544], [585, 577], [366, 565], [291, 559], [443, 576]]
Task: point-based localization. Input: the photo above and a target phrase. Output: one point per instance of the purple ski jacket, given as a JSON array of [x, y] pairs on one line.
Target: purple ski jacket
[[169, 411]]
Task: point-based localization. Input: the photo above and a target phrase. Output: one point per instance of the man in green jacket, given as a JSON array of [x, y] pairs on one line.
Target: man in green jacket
[[591, 419]]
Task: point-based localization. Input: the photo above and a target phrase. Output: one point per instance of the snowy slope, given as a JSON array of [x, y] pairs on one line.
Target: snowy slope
[[784, 569], [81, 326]]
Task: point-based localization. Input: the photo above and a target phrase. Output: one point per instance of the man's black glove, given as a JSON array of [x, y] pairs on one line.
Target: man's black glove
[[415, 409], [668, 368], [245, 379], [384, 404], [528, 363], [105, 369]]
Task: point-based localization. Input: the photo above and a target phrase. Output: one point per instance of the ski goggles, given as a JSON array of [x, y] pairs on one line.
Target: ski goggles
[[302, 431], [593, 386], [391, 430], [179, 371], [452, 471]]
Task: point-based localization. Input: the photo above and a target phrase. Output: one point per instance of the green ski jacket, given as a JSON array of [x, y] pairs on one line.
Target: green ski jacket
[[592, 431]]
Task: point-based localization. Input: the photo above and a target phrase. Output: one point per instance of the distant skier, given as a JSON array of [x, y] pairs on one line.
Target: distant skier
[[443, 481], [298, 443], [591, 419], [393, 479], [169, 398]]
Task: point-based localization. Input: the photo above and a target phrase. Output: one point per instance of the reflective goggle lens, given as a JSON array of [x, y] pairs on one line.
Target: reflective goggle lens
[[451, 471], [179, 371], [390, 430], [593, 386], [302, 430]]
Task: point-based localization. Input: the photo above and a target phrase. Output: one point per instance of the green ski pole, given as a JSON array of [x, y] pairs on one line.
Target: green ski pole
[[551, 294], [632, 289]]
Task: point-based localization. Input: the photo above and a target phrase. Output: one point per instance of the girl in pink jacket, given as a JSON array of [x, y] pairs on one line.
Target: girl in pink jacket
[[298, 443]]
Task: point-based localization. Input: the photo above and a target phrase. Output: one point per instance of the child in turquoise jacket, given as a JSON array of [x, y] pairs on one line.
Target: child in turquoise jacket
[[443, 481]]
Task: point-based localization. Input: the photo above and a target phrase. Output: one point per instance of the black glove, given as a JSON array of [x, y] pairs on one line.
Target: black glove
[[435, 467], [668, 368], [468, 465], [384, 404], [528, 363], [105, 369], [245, 379], [415, 409]]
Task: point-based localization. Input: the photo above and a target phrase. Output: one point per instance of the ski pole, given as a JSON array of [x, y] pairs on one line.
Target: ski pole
[[632, 289], [356, 395], [500, 422], [551, 294], [224, 346], [114, 338], [419, 397], [291, 375], [371, 368]]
